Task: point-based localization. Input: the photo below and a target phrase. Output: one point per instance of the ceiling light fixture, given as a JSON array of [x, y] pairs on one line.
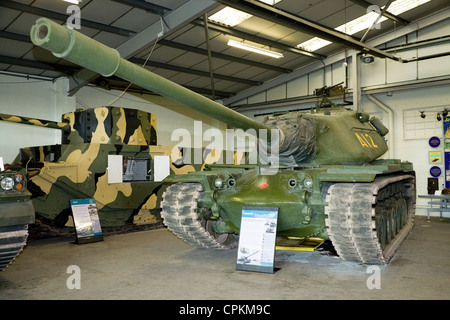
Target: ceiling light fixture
[[73, 1], [363, 22], [232, 17], [229, 16], [251, 48]]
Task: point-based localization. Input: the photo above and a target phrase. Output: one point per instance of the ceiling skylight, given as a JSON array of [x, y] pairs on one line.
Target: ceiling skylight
[[363, 22], [73, 1], [232, 17], [229, 16]]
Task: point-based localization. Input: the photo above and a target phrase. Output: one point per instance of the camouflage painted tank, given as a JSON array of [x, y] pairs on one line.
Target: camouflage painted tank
[[320, 168], [16, 213], [78, 168]]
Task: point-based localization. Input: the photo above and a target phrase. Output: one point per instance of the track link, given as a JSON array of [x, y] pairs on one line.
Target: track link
[[180, 213], [12, 241], [368, 221]]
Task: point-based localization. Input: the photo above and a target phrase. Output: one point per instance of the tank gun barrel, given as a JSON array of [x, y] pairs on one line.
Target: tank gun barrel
[[64, 126], [88, 53]]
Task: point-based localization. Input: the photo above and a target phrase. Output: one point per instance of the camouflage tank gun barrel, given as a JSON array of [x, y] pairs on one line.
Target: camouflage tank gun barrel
[[84, 51], [64, 126]]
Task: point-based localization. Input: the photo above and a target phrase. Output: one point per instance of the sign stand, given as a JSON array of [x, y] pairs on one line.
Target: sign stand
[[86, 221], [256, 251]]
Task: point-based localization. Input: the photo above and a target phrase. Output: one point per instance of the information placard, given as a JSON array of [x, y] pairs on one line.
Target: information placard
[[86, 221], [256, 251]]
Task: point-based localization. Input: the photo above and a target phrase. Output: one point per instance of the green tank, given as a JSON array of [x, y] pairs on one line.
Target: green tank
[[16, 213], [321, 169]]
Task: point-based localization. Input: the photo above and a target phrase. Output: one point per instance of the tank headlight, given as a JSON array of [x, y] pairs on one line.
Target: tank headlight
[[19, 178], [7, 183], [218, 183], [308, 183]]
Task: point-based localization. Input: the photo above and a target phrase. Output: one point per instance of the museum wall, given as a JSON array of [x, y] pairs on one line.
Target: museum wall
[[33, 98]]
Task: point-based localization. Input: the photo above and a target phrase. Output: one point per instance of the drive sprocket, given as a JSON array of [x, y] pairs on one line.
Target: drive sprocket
[[181, 215]]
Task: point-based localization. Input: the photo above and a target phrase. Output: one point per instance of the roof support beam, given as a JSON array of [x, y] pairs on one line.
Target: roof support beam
[[175, 19], [71, 70], [295, 22], [15, 36], [365, 4], [63, 17], [141, 4], [36, 64], [246, 36], [223, 56]]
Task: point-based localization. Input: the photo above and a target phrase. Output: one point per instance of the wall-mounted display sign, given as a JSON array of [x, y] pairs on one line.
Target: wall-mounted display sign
[[446, 125], [86, 221], [257, 237], [434, 142], [435, 157], [447, 169], [435, 171]]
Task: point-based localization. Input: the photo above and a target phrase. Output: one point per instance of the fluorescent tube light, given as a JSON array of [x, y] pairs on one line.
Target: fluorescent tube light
[[363, 22], [251, 48]]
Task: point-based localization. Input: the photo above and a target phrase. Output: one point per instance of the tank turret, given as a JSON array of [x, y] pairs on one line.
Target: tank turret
[[326, 179], [112, 125], [78, 167]]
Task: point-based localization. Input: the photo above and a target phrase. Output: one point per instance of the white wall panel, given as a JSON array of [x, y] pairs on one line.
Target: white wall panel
[[297, 87], [39, 99], [434, 67], [316, 80], [260, 97], [338, 72], [277, 93], [397, 71], [373, 73]]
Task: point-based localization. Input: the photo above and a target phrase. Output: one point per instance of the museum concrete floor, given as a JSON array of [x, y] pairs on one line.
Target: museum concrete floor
[[155, 264]]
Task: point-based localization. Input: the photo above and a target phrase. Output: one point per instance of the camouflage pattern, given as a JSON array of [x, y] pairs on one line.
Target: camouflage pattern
[[34, 122], [78, 168]]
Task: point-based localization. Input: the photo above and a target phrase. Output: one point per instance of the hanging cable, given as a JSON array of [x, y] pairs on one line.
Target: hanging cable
[[143, 66]]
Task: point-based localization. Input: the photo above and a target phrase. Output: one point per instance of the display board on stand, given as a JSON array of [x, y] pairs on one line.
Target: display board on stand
[[256, 251], [86, 221]]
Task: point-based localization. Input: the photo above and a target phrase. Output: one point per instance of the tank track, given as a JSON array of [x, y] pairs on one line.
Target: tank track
[[12, 241], [180, 213], [368, 221]]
